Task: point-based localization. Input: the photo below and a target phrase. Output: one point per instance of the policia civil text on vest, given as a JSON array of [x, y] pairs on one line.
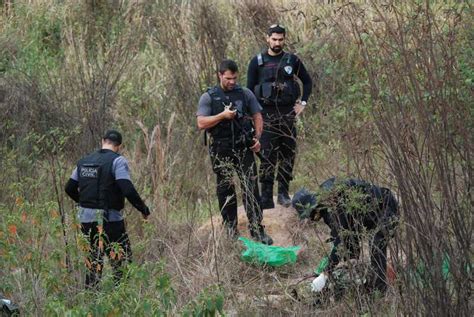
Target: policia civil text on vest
[[99, 184]]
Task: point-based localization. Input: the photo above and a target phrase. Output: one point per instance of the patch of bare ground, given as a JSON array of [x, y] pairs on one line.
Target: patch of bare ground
[[206, 256], [210, 258]]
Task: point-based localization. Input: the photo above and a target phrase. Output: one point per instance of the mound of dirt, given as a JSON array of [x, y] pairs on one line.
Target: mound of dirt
[[275, 286], [280, 223]]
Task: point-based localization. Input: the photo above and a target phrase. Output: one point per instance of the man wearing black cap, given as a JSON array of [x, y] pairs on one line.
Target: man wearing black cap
[[99, 184], [272, 77], [351, 207]]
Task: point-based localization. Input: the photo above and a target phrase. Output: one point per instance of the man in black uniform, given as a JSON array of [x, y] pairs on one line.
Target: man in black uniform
[[224, 112], [349, 207], [99, 184], [272, 77]]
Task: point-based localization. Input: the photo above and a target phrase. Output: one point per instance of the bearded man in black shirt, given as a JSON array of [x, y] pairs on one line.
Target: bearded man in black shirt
[[272, 76]]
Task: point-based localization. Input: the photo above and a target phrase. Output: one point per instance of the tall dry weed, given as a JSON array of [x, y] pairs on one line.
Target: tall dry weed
[[412, 55]]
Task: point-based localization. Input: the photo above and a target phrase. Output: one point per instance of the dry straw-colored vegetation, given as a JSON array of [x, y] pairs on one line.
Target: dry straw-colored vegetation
[[392, 103]]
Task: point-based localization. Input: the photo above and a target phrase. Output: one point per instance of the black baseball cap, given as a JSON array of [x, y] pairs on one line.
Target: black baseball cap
[[114, 136]]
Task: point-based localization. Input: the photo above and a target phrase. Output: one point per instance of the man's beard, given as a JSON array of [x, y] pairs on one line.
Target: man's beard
[[276, 49], [228, 87]]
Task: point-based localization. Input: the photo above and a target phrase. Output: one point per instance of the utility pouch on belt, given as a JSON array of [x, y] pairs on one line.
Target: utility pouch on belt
[[264, 91], [267, 90]]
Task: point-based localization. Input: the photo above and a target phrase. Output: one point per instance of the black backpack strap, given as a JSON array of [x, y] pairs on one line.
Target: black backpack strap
[[260, 59], [217, 91], [220, 93], [211, 91]]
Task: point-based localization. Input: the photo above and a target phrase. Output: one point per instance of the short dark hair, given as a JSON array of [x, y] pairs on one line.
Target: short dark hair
[[228, 64], [114, 137], [276, 28]]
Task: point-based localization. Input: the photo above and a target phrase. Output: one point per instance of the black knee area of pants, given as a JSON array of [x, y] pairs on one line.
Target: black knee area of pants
[[278, 149], [227, 199], [114, 234], [378, 261]]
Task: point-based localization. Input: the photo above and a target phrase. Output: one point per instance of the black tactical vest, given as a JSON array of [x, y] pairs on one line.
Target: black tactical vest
[[220, 99], [97, 187], [362, 201], [277, 86]]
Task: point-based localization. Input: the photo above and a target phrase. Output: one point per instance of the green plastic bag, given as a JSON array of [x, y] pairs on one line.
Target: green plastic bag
[[445, 268], [322, 265], [275, 256]]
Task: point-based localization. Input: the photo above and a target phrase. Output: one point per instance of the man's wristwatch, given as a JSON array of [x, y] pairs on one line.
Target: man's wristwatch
[[303, 103]]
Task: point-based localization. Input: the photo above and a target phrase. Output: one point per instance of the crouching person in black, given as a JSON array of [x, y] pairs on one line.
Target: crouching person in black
[[99, 184], [350, 207], [226, 112]]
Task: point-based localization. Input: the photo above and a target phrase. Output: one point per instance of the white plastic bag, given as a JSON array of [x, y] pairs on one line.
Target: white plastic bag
[[318, 283]]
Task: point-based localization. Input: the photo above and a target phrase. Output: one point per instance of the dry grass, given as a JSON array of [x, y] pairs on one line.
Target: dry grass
[[390, 106]]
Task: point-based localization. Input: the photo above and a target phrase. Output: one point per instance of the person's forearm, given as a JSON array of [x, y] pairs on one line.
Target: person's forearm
[[71, 189], [307, 89], [129, 191], [252, 76], [206, 122], [258, 123], [334, 257], [306, 81]]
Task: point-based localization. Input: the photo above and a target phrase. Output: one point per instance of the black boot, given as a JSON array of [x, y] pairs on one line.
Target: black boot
[[283, 197], [267, 196], [258, 234]]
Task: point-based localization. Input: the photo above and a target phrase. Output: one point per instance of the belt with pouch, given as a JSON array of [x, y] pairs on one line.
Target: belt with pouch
[[227, 142]]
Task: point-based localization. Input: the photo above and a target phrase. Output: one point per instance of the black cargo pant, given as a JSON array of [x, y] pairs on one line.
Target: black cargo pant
[[111, 239], [226, 161], [349, 231], [278, 148], [387, 223]]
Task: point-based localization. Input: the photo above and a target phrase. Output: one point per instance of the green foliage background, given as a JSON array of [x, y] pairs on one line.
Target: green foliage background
[[69, 70]]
